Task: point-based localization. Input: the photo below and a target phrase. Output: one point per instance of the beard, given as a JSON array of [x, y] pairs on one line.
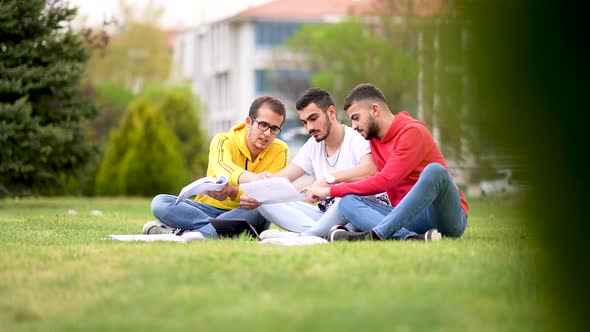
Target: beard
[[372, 130], [327, 132]]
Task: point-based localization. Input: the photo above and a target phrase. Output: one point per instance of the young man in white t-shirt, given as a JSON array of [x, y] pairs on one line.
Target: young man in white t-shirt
[[334, 153]]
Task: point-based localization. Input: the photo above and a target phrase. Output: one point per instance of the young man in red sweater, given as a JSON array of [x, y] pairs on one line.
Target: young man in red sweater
[[426, 201]]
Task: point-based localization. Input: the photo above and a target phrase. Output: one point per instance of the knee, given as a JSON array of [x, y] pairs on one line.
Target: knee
[[159, 204], [348, 204], [435, 169]]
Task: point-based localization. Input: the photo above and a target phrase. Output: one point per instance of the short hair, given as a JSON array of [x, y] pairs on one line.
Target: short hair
[[363, 92], [317, 96], [276, 106]]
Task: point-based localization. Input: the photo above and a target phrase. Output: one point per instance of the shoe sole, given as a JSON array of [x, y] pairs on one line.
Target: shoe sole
[[161, 229], [433, 235], [334, 232], [149, 225]]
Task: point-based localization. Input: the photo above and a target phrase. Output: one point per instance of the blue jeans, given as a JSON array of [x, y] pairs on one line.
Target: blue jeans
[[194, 216], [433, 202]]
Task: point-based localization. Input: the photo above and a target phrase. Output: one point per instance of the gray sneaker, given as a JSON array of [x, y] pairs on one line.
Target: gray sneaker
[[341, 233], [156, 227]]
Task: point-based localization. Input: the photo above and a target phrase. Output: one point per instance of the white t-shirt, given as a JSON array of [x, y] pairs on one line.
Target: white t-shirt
[[312, 155]]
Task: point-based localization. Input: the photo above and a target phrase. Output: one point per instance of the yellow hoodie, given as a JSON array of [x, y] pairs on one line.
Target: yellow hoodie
[[229, 156]]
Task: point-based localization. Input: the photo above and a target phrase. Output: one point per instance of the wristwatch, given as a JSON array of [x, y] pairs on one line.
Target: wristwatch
[[330, 179]]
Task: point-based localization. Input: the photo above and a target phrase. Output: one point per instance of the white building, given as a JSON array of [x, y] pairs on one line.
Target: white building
[[229, 62]]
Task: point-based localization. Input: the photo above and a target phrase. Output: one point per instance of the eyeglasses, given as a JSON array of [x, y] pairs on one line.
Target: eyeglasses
[[263, 126]]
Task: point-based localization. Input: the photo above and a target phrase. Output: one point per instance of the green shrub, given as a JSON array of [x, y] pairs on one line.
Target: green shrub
[[142, 157], [153, 164], [181, 109]]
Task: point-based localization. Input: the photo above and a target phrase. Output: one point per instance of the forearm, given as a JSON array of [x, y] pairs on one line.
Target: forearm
[[364, 169], [291, 172], [353, 174], [247, 176]]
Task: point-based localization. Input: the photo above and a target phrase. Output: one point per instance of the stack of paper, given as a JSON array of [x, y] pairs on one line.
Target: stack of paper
[[295, 241], [186, 237]]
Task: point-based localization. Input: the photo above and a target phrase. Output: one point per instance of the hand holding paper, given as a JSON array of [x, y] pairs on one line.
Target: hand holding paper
[[202, 185]]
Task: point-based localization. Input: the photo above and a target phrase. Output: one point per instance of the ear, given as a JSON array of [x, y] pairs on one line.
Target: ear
[[375, 110], [332, 112], [248, 120]]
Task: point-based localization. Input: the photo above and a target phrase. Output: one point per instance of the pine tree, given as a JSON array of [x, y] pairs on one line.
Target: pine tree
[[153, 164], [120, 140], [143, 155], [43, 115]]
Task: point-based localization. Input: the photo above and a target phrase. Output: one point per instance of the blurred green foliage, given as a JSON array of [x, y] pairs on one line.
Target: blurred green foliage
[[528, 77], [112, 100], [183, 113], [44, 116], [343, 54], [137, 53], [143, 155]]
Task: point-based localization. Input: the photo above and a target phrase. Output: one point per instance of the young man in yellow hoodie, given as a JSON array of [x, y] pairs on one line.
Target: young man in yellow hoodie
[[248, 149]]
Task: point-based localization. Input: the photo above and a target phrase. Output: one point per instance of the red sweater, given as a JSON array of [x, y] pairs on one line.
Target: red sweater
[[401, 156]]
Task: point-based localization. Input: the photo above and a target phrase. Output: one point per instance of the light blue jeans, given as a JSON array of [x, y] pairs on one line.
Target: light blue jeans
[[194, 216], [433, 202], [302, 217]]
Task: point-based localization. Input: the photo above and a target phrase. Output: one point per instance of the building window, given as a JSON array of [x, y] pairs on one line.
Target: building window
[[287, 83], [261, 82], [270, 34]]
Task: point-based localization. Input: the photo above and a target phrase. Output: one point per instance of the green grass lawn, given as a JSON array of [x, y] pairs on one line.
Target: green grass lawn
[[57, 273]]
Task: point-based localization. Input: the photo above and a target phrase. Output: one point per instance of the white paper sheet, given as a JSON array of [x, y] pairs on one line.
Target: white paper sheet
[[273, 190], [186, 237], [295, 241]]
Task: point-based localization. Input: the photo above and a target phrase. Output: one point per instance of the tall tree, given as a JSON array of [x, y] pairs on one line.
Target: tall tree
[[345, 54], [415, 52], [137, 53], [43, 115]]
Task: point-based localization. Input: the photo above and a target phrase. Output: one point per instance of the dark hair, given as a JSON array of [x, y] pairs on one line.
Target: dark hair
[[317, 96], [275, 105], [362, 92]]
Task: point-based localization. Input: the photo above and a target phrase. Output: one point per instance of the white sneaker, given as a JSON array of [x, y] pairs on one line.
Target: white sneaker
[[275, 233], [431, 235]]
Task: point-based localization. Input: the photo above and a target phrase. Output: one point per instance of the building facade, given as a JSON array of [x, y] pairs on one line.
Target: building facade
[[232, 61]]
